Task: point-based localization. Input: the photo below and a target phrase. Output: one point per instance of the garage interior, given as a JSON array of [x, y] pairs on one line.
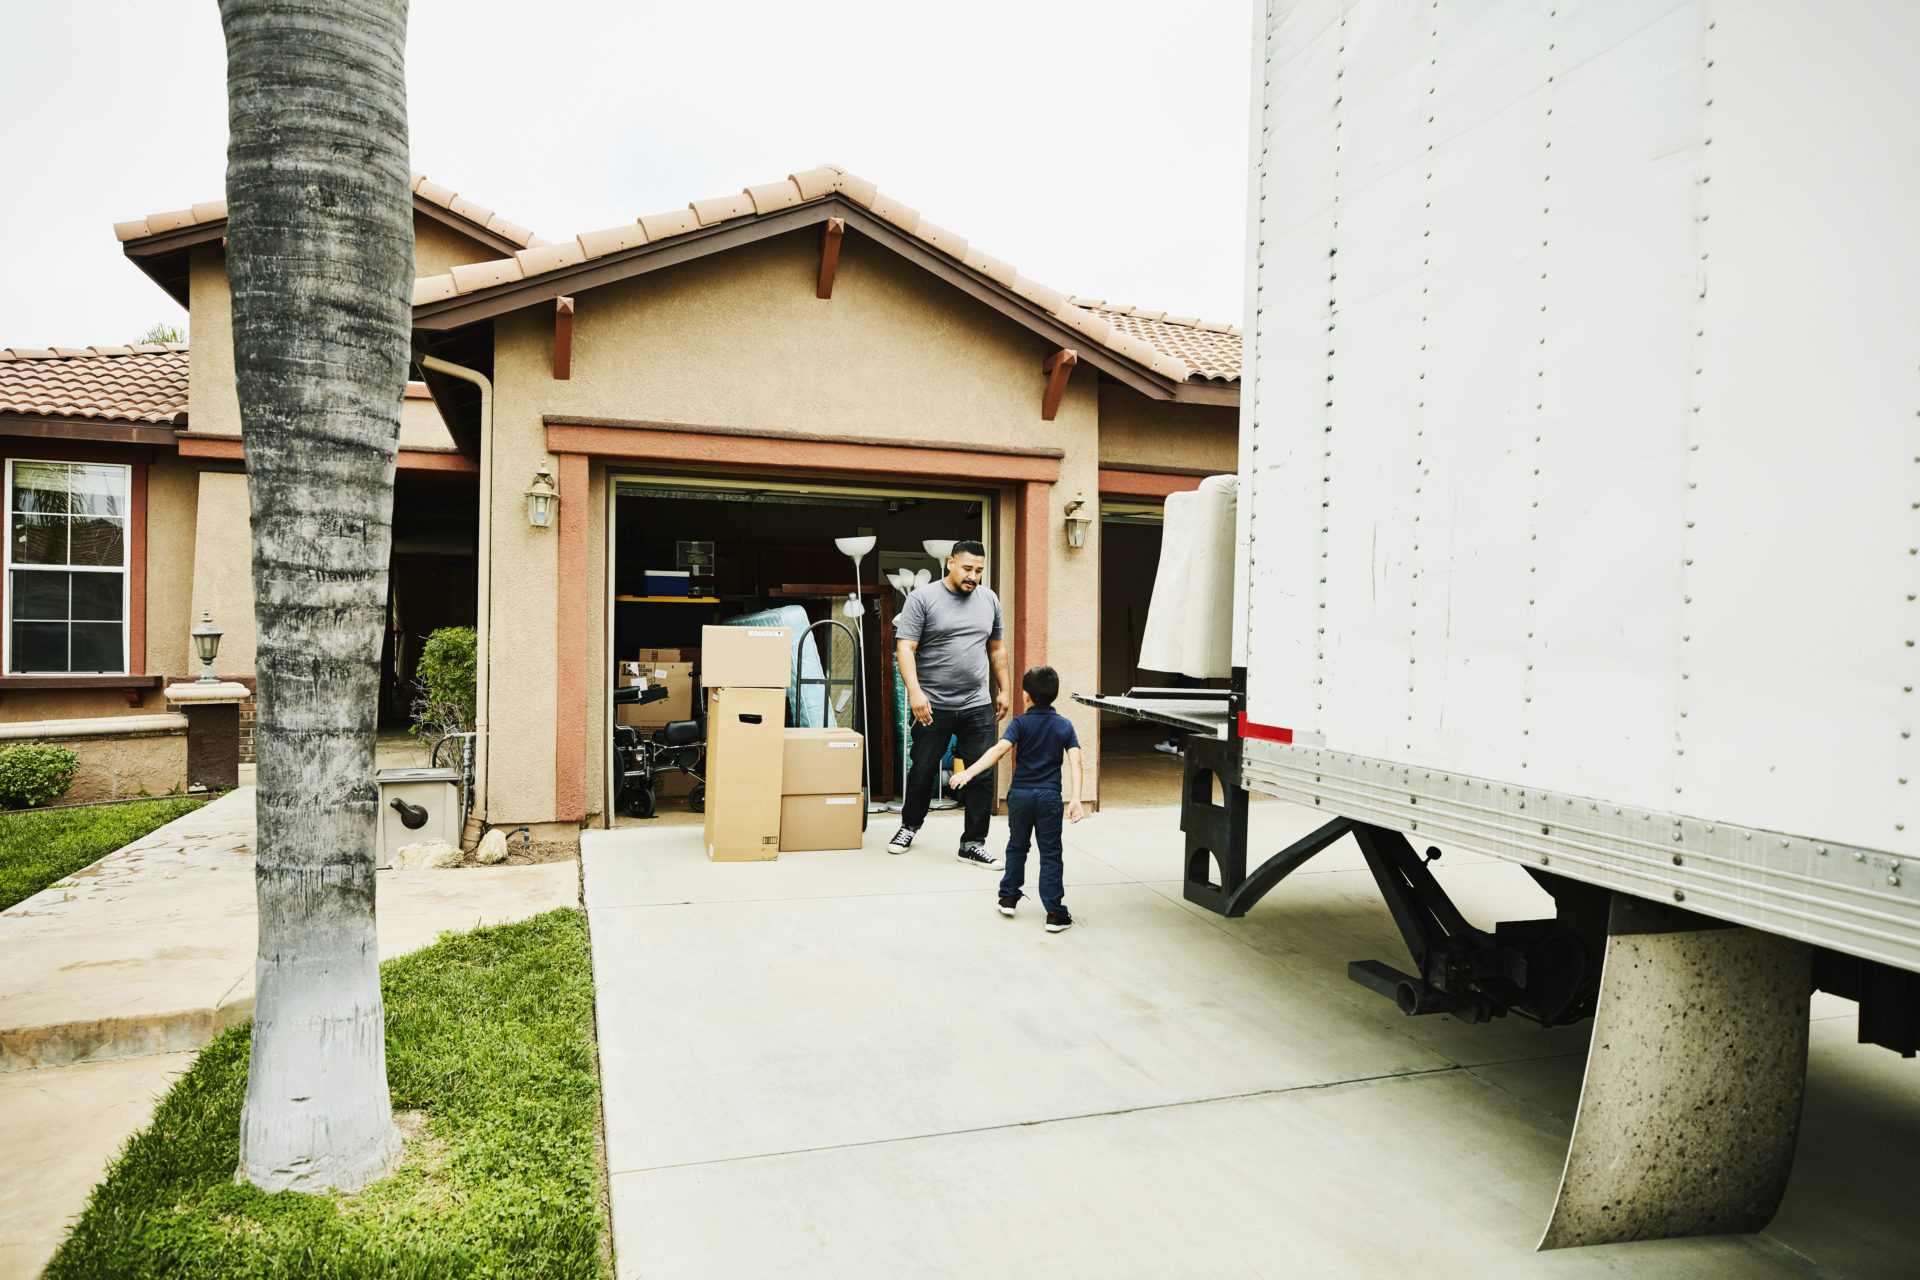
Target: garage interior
[[770, 545], [1132, 772]]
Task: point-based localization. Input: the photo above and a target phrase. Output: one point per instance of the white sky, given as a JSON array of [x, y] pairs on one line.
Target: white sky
[[1098, 145]]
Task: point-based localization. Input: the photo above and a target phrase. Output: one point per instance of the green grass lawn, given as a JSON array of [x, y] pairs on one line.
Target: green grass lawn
[[37, 849], [490, 1043]]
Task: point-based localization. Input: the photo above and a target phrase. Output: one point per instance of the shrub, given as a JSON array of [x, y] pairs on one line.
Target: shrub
[[444, 681], [33, 773]]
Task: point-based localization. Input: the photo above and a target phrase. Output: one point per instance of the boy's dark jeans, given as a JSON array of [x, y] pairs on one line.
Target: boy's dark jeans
[[1035, 814], [975, 729]]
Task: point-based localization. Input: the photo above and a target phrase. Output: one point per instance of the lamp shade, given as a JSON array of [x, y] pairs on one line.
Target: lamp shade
[[856, 547], [940, 549]]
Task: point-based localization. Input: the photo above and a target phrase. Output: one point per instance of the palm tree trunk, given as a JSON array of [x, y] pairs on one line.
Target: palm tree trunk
[[320, 261]]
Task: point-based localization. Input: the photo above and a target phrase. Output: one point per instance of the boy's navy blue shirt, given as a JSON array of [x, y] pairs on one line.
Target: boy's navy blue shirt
[[1041, 738]]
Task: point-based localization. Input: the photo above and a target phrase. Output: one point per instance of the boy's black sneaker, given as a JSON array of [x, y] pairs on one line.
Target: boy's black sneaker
[[902, 840], [975, 854], [1007, 906], [1058, 922]]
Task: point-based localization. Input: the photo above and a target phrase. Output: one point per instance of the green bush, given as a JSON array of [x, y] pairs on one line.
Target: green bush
[[444, 680], [33, 773]]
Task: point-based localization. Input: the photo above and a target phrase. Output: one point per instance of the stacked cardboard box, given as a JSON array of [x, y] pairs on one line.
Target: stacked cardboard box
[[821, 805], [746, 671], [677, 705]]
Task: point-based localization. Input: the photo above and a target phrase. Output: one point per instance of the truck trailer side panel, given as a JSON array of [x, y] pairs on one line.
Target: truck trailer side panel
[[1581, 459]]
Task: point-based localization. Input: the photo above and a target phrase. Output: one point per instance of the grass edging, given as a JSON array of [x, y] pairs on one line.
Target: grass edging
[[41, 847], [490, 1039]]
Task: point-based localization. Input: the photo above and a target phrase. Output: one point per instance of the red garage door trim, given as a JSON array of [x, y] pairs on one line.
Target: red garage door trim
[[1033, 472]]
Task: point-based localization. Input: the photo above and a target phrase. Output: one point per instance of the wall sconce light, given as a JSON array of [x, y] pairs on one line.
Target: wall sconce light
[[206, 642], [1077, 521], [543, 500]]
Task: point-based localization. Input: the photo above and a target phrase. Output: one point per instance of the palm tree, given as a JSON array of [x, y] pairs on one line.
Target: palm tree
[[320, 260]]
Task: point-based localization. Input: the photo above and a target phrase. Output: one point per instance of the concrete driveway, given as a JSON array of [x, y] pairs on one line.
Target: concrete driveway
[[849, 1065]]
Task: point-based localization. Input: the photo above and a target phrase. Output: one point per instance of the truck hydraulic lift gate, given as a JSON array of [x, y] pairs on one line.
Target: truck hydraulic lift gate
[[1715, 1177]]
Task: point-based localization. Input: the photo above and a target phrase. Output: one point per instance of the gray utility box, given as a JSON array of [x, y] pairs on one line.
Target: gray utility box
[[416, 805]]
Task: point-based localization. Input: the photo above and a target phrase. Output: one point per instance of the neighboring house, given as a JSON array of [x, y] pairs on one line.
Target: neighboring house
[[764, 371]]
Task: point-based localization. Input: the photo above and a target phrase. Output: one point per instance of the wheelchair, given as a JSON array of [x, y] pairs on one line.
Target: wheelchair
[[639, 757]]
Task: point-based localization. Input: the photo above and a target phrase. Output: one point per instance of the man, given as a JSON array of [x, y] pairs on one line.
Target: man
[[955, 667]]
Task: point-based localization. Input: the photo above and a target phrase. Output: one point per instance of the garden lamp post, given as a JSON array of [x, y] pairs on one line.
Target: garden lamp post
[[206, 642]]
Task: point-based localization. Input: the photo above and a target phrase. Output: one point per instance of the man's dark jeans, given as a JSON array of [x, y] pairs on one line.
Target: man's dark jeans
[[975, 729], [1035, 814]]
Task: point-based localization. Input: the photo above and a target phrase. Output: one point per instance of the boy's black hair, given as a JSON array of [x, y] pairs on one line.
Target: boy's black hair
[[1042, 684], [970, 547]]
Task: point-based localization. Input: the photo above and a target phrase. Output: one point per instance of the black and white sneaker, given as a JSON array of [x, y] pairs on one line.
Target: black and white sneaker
[[1171, 746], [1007, 906], [975, 854], [902, 840], [1058, 922]]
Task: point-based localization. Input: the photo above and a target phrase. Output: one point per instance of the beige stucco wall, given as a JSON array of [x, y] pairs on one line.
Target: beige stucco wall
[[438, 248], [422, 427], [173, 501], [1137, 431], [213, 407], [739, 340], [223, 569]]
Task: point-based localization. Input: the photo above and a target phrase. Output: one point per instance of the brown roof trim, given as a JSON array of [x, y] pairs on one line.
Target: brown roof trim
[[1146, 469], [486, 304], [102, 429], [230, 448], [805, 437], [159, 255], [471, 230]]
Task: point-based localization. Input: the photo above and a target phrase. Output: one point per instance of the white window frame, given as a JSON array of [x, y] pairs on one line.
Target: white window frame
[[125, 570]]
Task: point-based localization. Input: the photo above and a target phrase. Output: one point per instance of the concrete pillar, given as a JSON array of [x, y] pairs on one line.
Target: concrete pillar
[[213, 731]]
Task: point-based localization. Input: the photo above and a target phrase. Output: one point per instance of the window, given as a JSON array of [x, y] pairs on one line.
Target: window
[[66, 566]]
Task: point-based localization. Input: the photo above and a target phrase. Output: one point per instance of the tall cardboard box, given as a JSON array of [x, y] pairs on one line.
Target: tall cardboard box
[[746, 657], [819, 822], [821, 762], [745, 756], [677, 705]]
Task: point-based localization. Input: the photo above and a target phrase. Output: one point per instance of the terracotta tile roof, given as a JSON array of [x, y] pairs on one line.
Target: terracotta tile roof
[[1211, 348], [432, 192], [145, 383], [1177, 348]]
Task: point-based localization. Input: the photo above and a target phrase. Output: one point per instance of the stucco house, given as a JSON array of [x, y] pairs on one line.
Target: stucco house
[[762, 371]]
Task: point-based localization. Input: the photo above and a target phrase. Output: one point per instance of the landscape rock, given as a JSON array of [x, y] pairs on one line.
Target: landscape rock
[[491, 849], [428, 855]]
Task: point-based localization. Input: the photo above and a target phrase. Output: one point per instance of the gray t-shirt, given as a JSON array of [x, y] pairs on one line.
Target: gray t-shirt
[[951, 629]]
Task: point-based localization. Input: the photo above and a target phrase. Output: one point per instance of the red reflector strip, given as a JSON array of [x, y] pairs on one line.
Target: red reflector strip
[[1267, 732], [1274, 733]]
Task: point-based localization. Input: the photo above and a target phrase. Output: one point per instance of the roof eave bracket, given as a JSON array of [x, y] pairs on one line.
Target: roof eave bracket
[[1058, 367], [831, 233]]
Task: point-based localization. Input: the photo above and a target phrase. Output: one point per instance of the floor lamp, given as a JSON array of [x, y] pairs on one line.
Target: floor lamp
[[856, 608]]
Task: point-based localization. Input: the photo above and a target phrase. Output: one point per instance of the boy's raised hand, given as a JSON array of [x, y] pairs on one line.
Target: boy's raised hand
[[1075, 811], [961, 777]]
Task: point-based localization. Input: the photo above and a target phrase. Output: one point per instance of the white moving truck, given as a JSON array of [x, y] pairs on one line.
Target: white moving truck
[[1579, 525]]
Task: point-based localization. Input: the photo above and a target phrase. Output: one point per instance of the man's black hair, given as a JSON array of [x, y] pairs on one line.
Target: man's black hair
[[969, 547], [1042, 684]]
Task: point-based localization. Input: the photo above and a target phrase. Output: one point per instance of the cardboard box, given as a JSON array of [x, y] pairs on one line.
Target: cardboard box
[[819, 822], [659, 655], [678, 704], [821, 762], [746, 657], [745, 750]]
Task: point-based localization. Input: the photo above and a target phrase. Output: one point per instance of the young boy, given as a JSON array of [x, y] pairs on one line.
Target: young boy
[[1042, 737]]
